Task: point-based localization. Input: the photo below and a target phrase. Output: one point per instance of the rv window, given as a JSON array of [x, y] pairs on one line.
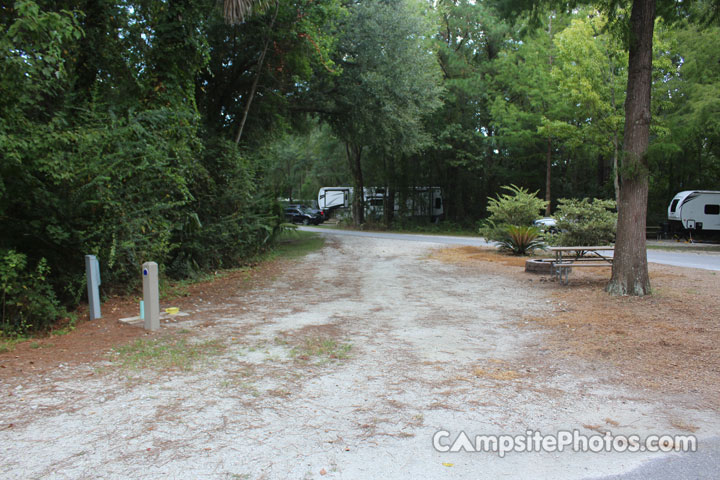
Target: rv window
[[712, 209], [673, 205], [438, 203]]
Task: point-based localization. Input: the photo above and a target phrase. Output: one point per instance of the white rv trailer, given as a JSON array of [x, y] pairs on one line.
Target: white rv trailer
[[420, 201], [330, 198], [695, 210]]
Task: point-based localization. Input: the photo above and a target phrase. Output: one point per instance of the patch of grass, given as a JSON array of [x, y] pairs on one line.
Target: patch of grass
[[281, 341], [296, 244], [322, 348], [181, 288], [250, 388], [63, 331], [164, 353], [8, 342], [69, 325]]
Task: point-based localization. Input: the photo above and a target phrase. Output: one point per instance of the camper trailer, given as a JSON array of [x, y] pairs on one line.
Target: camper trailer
[[418, 201], [695, 211], [421, 202], [331, 198]]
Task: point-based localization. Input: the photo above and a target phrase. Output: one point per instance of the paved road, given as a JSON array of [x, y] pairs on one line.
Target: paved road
[[706, 261], [686, 466]]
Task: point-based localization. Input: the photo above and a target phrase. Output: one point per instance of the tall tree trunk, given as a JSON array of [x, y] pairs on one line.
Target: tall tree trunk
[[630, 270], [616, 175], [548, 173], [354, 154]]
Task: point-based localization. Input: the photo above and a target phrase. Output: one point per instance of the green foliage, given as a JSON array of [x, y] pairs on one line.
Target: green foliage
[[389, 77], [33, 66], [389, 82], [520, 240], [302, 44], [107, 153], [27, 302], [227, 220], [517, 208], [687, 155], [585, 222], [114, 187], [297, 165]]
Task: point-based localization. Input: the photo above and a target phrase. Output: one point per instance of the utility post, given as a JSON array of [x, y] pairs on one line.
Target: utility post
[[92, 272], [151, 296]]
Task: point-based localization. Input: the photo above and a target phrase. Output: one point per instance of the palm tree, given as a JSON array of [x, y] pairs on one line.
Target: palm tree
[[235, 11]]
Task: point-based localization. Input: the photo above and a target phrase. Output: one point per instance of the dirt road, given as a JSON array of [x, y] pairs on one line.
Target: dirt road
[[345, 366]]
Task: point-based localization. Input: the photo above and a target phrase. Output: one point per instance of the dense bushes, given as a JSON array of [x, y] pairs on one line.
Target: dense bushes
[[511, 218], [231, 220], [129, 190], [26, 300], [579, 222], [585, 222], [519, 207], [108, 157]]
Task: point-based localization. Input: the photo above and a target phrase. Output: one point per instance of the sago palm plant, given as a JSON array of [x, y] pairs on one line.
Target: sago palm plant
[[521, 240], [235, 11]]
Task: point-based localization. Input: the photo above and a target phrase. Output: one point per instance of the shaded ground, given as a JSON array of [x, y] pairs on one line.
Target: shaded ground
[[668, 342], [91, 341], [344, 365]]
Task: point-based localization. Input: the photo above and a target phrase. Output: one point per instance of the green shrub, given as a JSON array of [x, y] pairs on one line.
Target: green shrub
[[521, 240], [519, 208], [585, 222], [27, 301], [233, 222], [120, 167]]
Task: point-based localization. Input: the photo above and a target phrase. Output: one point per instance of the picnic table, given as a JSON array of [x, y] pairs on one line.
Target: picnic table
[[567, 258]]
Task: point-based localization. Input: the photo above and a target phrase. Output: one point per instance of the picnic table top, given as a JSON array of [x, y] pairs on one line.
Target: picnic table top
[[575, 249]]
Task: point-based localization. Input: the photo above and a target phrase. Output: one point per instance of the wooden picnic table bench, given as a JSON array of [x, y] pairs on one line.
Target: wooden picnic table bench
[[567, 258]]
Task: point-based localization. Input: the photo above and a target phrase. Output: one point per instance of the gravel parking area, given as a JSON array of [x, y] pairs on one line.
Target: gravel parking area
[[344, 365]]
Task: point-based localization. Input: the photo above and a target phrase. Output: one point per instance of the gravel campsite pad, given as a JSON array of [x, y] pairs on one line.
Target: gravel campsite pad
[[343, 365]]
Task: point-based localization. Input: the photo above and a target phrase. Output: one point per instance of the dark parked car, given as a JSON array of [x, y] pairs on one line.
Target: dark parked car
[[298, 215], [310, 210]]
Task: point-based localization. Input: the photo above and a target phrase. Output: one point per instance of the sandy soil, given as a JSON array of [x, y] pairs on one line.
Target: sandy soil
[[344, 365]]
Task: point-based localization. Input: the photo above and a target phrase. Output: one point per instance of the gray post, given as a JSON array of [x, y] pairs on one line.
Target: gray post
[[151, 296], [92, 272]]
